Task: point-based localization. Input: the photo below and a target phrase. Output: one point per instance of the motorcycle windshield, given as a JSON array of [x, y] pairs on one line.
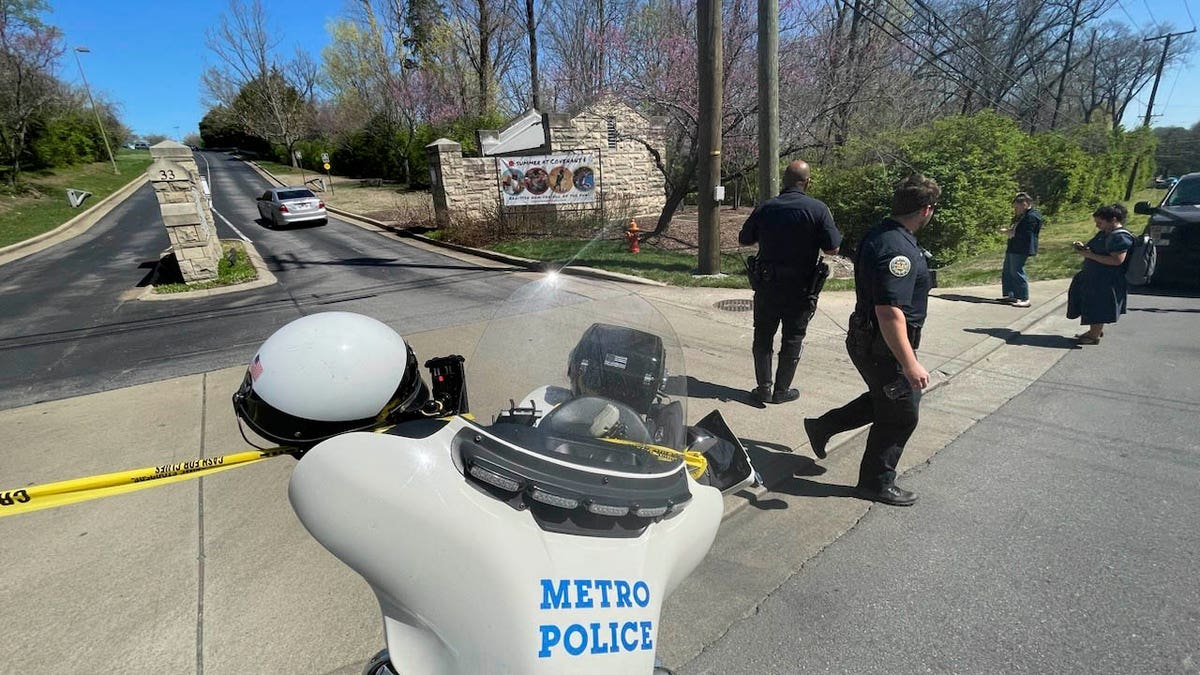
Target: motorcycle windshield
[[582, 371]]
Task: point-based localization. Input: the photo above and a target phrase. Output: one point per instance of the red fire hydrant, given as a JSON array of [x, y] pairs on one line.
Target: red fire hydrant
[[632, 235]]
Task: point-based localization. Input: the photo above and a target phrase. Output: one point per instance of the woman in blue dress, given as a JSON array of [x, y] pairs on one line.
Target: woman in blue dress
[[1100, 286]]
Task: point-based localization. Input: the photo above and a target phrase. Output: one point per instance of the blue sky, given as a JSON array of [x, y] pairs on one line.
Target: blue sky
[[148, 55]]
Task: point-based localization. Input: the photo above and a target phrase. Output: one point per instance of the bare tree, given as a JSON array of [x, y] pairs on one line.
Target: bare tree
[[272, 97], [488, 36], [28, 51], [1118, 65]]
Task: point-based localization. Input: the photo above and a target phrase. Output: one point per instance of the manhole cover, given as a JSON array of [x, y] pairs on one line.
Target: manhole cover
[[735, 305]]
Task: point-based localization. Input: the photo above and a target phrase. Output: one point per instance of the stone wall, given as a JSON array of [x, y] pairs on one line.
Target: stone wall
[[464, 188], [631, 185], [629, 182], [185, 212]]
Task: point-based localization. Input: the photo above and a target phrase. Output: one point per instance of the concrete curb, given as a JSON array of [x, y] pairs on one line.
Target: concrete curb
[[526, 263], [73, 227], [265, 278], [965, 360]]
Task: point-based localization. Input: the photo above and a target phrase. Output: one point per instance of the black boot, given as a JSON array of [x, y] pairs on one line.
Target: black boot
[[783, 381], [762, 375], [817, 438]]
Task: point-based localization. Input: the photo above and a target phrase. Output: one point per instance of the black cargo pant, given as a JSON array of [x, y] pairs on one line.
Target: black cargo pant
[[772, 310], [892, 420]]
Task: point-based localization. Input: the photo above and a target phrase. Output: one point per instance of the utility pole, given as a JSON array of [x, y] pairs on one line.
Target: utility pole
[[710, 69], [768, 99], [96, 110], [531, 28], [1162, 60], [1062, 80]]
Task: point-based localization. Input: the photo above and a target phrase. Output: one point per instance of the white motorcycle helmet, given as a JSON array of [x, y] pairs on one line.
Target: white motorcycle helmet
[[326, 374]]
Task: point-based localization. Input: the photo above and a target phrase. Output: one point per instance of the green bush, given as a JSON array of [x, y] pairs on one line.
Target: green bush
[[69, 138], [980, 161], [1056, 171], [859, 196], [974, 159]]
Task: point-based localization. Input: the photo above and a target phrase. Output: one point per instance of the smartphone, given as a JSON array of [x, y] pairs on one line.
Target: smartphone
[[898, 389]]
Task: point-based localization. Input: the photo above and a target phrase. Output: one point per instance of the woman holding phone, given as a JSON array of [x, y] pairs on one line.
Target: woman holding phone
[[1099, 288]]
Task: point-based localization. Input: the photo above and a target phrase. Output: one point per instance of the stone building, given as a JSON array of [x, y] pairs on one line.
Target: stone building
[[627, 145]]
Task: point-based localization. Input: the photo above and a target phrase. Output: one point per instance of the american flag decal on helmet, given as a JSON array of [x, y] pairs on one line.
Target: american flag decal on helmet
[[255, 368]]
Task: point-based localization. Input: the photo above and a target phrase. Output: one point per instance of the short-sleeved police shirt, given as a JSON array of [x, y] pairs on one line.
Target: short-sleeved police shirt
[[790, 230], [890, 270]]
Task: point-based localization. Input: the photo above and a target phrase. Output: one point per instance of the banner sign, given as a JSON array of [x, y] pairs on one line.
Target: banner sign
[[547, 179]]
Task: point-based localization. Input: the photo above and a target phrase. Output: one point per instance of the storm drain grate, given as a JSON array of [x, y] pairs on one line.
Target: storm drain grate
[[738, 305]]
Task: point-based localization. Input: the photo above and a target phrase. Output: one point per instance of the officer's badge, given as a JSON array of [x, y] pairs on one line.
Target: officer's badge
[[900, 266]]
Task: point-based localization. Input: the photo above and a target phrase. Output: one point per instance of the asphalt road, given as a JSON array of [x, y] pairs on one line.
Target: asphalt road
[[72, 326], [1058, 535]]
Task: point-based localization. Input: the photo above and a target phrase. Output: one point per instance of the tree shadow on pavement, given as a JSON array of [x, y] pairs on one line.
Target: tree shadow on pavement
[[955, 297], [1170, 292], [280, 263], [1162, 310], [1014, 337], [701, 389]]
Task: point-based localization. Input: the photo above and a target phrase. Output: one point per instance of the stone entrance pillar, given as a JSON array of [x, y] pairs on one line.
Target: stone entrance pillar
[[185, 213]]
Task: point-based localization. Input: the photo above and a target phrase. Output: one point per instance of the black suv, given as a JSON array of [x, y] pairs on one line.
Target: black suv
[[1175, 228]]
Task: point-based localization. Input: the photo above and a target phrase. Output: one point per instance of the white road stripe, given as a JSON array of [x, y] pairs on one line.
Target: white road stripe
[[239, 232]]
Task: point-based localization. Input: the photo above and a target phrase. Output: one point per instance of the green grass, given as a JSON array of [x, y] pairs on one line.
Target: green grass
[[238, 271], [1055, 258], [672, 267], [42, 204]]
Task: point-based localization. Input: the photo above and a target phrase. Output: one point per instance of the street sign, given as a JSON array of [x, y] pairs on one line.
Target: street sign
[[326, 166], [325, 159]]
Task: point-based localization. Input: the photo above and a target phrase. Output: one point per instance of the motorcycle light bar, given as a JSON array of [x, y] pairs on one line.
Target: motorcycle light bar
[[544, 497], [607, 509], [494, 479], [651, 512], [529, 470]]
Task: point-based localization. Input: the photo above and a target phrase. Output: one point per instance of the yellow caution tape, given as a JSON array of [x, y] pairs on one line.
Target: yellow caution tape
[[696, 462], [50, 495]]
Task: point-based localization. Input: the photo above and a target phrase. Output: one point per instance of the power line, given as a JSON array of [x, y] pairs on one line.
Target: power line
[[1150, 12], [1132, 21], [976, 88], [931, 13], [935, 61], [1187, 7], [1171, 93]]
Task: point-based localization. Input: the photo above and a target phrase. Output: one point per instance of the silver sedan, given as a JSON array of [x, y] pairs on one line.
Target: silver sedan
[[289, 205]]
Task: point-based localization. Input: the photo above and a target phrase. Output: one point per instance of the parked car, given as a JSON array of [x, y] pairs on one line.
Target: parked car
[[141, 145], [289, 205], [1175, 228]]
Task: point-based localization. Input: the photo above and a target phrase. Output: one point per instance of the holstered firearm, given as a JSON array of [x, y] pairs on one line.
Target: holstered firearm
[[865, 338], [820, 275]]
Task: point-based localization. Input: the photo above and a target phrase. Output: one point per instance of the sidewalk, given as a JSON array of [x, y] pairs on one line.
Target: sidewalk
[[219, 572]]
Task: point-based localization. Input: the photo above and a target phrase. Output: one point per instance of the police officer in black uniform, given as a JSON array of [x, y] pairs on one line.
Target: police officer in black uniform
[[892, 283], [791, 231]]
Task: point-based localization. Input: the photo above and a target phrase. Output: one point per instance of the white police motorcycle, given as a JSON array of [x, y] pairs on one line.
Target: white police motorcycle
[[540, 539]]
